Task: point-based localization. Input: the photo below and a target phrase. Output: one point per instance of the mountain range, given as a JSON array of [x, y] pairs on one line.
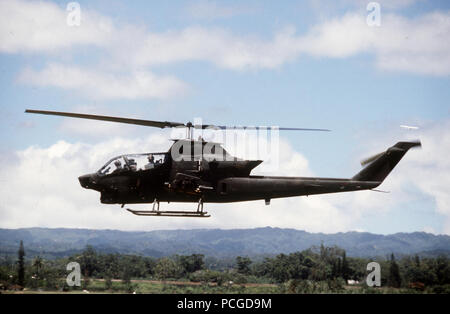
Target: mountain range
[[54, 243]]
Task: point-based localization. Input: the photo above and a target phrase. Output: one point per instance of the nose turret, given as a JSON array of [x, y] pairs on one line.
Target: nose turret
[[87, 181]]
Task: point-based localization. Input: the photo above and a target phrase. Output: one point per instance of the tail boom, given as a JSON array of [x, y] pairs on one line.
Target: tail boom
[[376, 170]]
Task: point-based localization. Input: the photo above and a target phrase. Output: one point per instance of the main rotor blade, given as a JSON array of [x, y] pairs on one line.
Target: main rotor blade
[[157, 124], [222, 127]]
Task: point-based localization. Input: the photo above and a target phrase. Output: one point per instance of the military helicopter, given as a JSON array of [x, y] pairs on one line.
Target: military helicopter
[[207, 173]]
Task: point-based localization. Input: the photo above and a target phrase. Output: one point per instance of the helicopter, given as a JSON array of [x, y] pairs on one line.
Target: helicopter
[[198, 171]]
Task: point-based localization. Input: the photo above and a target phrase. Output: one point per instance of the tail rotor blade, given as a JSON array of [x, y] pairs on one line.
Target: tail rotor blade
[[367, 161]]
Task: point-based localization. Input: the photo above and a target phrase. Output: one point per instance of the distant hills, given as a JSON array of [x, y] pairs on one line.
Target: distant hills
[[53, 243]]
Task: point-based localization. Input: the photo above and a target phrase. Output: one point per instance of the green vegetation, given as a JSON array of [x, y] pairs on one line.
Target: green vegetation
[[316, 270], [21, 265]]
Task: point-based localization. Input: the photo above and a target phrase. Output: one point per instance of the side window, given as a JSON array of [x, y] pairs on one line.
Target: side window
[[154, 160], [145, 161], [160, 159]]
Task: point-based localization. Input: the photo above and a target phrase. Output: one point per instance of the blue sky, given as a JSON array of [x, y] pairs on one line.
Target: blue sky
[[297, 64]]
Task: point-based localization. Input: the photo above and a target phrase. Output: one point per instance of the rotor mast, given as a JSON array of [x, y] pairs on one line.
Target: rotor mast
[[189, 131]]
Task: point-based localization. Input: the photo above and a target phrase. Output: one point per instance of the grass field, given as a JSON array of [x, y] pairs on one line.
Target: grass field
[[187, 287]]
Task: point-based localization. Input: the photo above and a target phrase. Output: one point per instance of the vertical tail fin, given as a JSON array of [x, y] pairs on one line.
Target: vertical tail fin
[[378, 167]]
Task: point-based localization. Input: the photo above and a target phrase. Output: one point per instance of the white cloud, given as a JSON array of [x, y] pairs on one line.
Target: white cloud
[[104, 85], [417, 45], [429, 229], [38, 26], [53, 195], [41, 27], [425, 170], [216, 46], [430, 171]]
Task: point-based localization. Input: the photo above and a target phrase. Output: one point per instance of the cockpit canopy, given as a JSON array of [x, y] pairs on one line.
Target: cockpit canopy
[[133, 162]]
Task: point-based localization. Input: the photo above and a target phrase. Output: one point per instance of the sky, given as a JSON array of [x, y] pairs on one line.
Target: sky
[[313, 63]]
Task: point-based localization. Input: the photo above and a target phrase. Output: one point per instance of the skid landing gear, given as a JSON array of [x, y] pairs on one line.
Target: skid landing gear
[[156, 212]]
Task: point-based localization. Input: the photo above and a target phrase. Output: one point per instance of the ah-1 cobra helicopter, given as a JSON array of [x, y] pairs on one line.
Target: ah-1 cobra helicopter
[[211, 178]]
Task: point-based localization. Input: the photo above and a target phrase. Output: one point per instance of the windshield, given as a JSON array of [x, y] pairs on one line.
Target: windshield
[[113, 166], [136, 162]]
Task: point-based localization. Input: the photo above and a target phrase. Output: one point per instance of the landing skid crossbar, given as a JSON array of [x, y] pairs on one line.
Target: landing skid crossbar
[[156, 212], [169, 213]]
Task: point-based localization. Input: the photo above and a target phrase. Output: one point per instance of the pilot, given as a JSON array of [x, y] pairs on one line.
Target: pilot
[[151, 162], [118, 165], [133, 164]]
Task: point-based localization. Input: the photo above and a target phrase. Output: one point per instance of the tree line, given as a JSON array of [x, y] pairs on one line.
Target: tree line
[[303, 271]]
